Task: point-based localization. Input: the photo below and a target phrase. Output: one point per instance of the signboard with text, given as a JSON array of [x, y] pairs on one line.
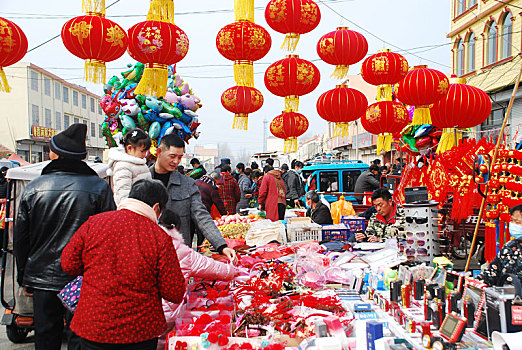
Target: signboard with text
[[364, 140], [42, 133]]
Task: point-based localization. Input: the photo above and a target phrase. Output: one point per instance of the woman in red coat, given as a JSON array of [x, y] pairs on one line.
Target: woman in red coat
[[272, 195]]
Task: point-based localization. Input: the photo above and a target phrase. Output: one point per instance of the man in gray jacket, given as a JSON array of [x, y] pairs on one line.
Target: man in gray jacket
[[294, 185], [184, 195], [367, 181]]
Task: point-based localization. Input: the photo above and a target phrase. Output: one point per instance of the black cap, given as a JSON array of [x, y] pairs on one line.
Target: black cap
[[70, 143]]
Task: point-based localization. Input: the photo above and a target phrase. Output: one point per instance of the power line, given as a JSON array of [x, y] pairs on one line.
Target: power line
[[505, 3]]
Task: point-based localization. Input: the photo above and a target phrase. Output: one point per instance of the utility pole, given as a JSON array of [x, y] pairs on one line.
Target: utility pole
[[265, 134]]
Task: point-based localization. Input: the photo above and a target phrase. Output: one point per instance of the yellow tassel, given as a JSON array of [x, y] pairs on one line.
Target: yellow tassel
[[290, 42], [380, 143], [421, 115], [290, 145], [244, 10], [154, 81], [341, 129], [4, 85], [94, 7], [388, 138], [449, 139], [292, 103], [240, 122], [340, 72], [384, 92], [161, 10], [244, 73], [94, 71]]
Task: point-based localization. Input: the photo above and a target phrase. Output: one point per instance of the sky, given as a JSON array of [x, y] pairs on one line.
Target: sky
[[414, 28]]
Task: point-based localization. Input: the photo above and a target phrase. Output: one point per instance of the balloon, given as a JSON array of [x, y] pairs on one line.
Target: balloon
[[423, 142], [154, 130], [423, 130], [127, 122]]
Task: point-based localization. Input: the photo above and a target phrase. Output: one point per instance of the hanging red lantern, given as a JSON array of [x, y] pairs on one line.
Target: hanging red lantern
[[342, 48], [241, 100], [96, 40], [385, 118], [422, 87], [243, 42], [463, 107], [289, 126], [384, 69], [290, 78], [157, 44], [341, 106], [293, 18], [13, 47]]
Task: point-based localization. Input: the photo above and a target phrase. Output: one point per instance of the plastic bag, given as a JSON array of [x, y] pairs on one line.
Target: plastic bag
[[340, 208], [310, 267]]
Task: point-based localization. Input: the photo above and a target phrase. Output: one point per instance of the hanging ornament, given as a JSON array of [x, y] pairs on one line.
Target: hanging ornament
[[293, 18], [289, 126], [161, 10], [342, 48], [241, 100], [13, 47], [384, 69]]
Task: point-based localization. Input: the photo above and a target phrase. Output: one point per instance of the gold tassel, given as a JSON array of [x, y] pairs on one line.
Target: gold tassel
[[94, 71], [292, 103], [290, 42], [341, 129], [240, 121], [449, 139], [94, 7], [244, 10], [161, 10], [4, 85], [384, 92], [244, 73], [388, 138], [421, 115], [380, 143], [290, 145], [154, 80], [340, 72]]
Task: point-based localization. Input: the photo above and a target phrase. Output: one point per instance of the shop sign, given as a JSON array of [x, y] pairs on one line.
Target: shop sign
[[42, 133], [364, 140]]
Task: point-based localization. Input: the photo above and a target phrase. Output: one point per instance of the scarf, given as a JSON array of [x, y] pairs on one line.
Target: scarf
[[138, 207]]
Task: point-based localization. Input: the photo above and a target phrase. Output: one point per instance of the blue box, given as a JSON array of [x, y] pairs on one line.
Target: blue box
[[373, 332]]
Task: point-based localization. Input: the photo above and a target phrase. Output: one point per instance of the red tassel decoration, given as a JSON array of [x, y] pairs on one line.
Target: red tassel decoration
[[490, 242], [501, 230]]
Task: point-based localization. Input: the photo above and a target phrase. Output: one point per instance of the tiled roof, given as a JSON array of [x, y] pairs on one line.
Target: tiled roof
[[498, 76], [4, 151]]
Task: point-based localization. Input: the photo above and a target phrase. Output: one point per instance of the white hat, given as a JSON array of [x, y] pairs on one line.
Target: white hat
[[513, 340]]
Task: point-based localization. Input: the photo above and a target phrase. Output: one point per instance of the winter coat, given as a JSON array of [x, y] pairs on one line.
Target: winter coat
[[366, 182], [229, 192], [245, 185], [52, 207], [320, 215], [128, 264], [192, 264], [272, 193], [125, 171], [185, 200], [294, 185], [210, 194]]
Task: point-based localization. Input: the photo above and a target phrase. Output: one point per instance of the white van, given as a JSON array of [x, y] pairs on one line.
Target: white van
[[279, 159]]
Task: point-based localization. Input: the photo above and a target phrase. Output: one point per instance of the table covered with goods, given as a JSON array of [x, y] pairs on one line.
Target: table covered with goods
[[303, 286]]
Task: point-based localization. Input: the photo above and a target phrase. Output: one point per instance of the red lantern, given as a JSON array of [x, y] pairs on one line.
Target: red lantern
[[420, 88], [241, 100], [293, 18], [385, 118], [384, 69], [243, 42], [13, 47], [289, 126], [342, 48], [96, 40], [341, 106], [292, 77], [464, 106], [157, 45]]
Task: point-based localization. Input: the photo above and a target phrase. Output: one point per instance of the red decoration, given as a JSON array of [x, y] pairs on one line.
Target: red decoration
[[384, 68], [96, 40], [13, 47], [420, 88], [342, 48], [156, 44], [242, 100], [292, 77], [464, 106], [289, 126], [385, 118], [292, 17], [341, 106]]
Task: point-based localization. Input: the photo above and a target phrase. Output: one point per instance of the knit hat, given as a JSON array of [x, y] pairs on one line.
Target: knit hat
[[70, 143]]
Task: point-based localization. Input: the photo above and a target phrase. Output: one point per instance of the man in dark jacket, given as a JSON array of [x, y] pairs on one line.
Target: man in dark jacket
[[209, 196], [245, 185], [367, 181], [3, 182], [198, 171], [294, 185], [52, 207], [319, 212]]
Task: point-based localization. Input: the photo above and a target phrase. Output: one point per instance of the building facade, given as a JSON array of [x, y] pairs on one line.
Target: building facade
[[486, 37], [42, 104]]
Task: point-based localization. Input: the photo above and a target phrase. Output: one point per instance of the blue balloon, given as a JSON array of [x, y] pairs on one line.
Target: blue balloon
[[154, 130]]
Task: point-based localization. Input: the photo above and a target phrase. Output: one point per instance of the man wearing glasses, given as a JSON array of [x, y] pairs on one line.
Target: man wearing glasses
[[387, 222]]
